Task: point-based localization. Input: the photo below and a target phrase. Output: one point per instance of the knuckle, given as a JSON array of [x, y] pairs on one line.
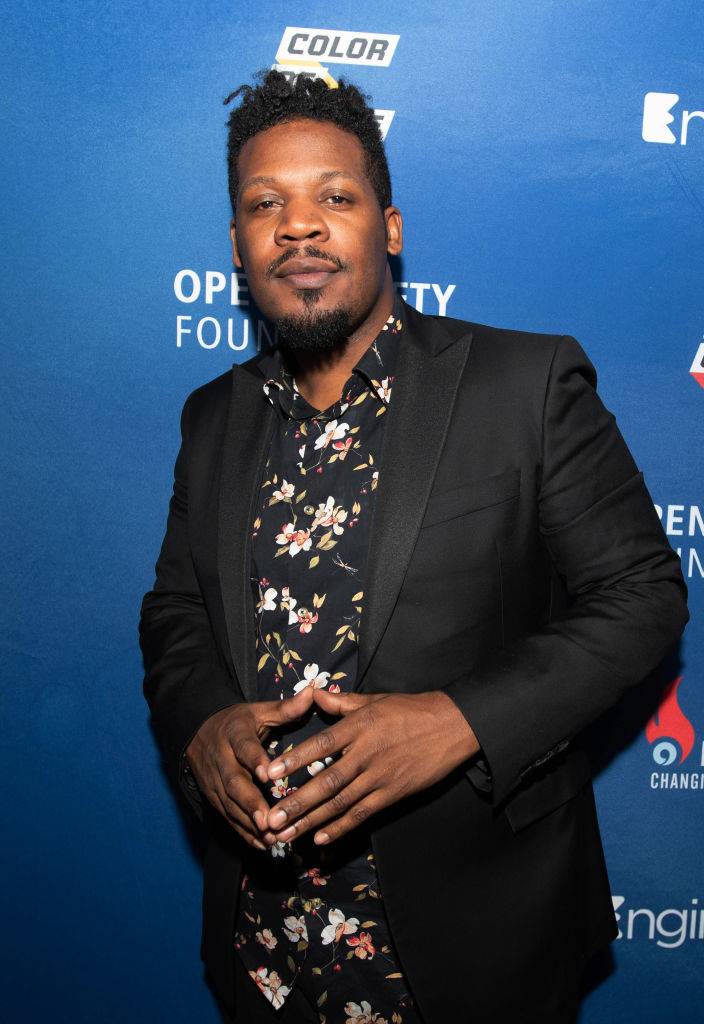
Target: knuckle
[[332, 780], [214, 797], [231, 785], [359, 813], [227, 732], [339, 802], [226, 813], [238, 818], [246, 805], [241, 748], [380, 744], [404, 785], [292, 807], [325, 741], [232, 809], [367, 718]]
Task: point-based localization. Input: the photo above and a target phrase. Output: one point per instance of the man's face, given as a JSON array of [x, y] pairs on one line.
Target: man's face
[[309, 231]]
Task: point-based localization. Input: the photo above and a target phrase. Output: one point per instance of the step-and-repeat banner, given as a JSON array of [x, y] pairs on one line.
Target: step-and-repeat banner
[[548, 159]]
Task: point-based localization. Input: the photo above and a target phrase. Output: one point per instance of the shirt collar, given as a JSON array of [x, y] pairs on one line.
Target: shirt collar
[[373, 370]]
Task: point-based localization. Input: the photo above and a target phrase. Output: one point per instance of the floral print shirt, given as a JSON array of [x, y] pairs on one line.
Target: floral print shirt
[[300, 903]]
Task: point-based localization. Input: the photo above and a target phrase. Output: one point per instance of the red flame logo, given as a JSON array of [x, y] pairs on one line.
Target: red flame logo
[[669, 720]]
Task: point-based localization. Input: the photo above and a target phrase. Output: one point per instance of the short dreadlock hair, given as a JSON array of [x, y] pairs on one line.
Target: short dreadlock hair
[[278, 100]]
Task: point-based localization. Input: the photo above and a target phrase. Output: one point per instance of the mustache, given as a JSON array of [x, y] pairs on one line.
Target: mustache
[[306, 250]]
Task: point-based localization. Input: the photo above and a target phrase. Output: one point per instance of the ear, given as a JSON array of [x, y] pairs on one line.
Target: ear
[[394, 230], [236, 259]]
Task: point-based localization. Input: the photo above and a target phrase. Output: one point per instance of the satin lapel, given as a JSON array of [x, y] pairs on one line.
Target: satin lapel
[[429, 366], [251, 420]]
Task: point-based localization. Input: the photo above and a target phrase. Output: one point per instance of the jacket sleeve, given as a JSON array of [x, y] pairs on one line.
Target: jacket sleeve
[[185, 681], [627, 595]]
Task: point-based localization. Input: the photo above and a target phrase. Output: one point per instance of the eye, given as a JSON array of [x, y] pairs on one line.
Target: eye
[[337, 199], [265, 204]]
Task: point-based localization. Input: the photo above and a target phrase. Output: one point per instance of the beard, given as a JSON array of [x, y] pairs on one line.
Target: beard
[[315, 330]]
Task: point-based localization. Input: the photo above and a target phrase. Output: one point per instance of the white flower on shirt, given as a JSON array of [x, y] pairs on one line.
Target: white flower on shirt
[[267, 603], [271, 985], [297, 540], [312, 677], [317, 766], [288, 603], [362, 1014], [338, 927], [295, 928], [285, 492], [332, 431], [280, 788], [267, 938], [329, 514], [383, 390]]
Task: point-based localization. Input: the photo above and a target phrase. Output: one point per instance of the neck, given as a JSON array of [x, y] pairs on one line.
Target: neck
[[320, 377]]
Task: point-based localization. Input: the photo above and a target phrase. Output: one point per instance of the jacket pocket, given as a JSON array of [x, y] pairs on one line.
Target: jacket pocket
[[471, 497], [551, 788]]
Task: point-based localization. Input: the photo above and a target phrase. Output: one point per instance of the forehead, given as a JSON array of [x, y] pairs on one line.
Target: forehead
[[301, 148]]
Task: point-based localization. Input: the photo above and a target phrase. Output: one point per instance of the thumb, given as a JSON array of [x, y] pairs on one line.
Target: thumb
[[343, 703], [290, 708]]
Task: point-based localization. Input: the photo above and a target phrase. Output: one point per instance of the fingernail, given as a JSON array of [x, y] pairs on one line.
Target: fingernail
[[260, 772], [277, 818], [259, 846], [259, 820], [321, 837], [277, 768], [288, 833]]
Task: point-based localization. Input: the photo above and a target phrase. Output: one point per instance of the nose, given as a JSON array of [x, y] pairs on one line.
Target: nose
[[301, 218]]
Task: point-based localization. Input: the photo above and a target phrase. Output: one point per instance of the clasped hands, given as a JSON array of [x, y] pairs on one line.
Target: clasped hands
[[390, 745]]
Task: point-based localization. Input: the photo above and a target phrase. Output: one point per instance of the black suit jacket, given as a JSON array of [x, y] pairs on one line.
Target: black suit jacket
[[516, 562]]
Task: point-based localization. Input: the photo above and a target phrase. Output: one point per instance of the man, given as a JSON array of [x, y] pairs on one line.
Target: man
[[407, 561]]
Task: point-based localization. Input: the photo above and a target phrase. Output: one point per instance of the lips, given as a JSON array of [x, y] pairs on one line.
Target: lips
[[307, 273]]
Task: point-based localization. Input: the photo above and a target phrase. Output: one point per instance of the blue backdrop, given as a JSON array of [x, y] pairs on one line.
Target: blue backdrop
[[548, 158]]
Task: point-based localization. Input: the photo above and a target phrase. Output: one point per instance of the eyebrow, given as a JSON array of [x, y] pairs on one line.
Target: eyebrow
[[263, 179]]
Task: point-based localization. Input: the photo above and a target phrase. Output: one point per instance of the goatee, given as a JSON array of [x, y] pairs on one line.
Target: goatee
[[315, 331]]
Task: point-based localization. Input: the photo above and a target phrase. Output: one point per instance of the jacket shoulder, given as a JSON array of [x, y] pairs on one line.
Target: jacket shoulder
[[498, 340], [528, 357], [504, 338], [207, 407], [212, 392], [219, 389]]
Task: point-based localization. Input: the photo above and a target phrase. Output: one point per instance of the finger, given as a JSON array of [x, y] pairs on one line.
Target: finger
[[249, 752], [339, 804], [239, 815], [258, 830], [316, 748], [344, 703], [235, 785], [357, 814], [277, 712], [323, 786], [249, 837]]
